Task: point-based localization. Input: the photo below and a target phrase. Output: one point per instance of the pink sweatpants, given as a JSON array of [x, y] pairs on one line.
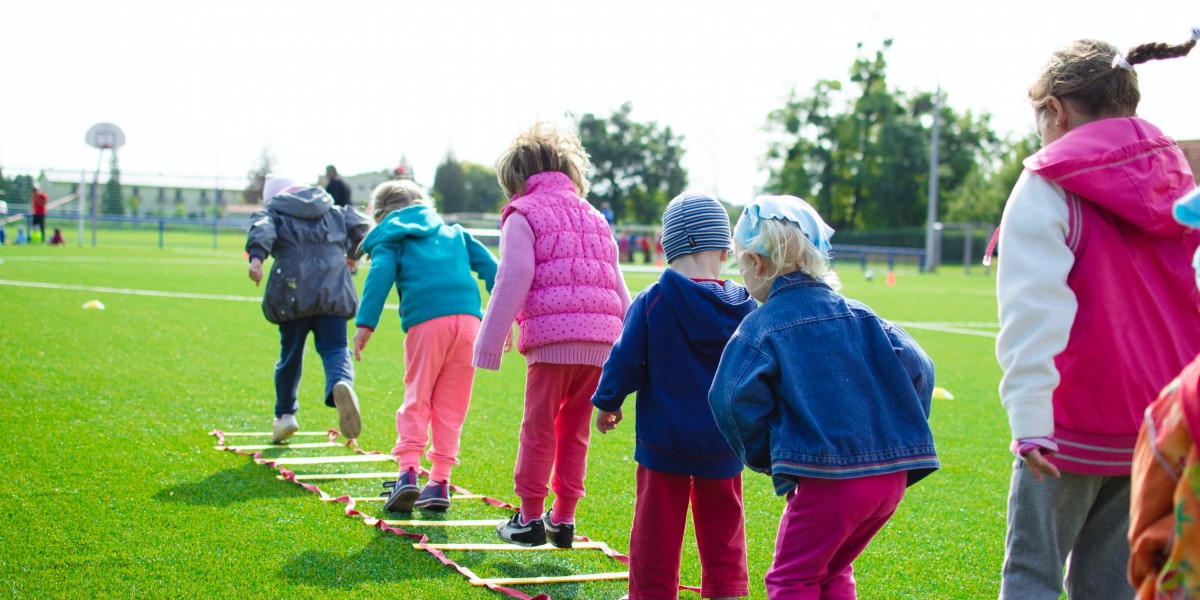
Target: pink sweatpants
[[826, 525], [555, 431], [659, 520], [437, 392]]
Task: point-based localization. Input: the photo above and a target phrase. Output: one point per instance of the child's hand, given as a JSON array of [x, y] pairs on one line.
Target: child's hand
[[508, 341], [361, 336], [255, 271], [607, 421], [1038, 465], [352, 265]]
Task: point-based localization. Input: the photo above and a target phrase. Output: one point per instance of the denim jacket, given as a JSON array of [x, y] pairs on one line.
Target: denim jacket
[[813, 384]]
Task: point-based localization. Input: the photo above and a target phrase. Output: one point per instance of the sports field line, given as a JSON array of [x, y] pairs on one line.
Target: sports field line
[[944, 327], [113, 260]]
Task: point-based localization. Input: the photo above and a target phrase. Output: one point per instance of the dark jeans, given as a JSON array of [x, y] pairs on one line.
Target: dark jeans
[[329, 334]]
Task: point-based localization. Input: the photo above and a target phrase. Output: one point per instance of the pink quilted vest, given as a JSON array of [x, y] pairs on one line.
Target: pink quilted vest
[[574, 293]]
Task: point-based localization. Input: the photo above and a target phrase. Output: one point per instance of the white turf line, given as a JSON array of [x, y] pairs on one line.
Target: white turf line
[[331, 476], [268, 433], [279, 446], [384, 498], [941, 326], [322, 460]]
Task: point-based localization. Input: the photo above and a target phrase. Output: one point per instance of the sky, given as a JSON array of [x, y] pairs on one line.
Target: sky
[[204, 88]]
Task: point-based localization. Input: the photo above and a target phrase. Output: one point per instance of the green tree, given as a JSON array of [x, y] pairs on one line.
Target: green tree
[[450, 185], [864, 158], [111, 200], [636, 166], [258, 178], [483, 190], [981, 198], [134, 202]]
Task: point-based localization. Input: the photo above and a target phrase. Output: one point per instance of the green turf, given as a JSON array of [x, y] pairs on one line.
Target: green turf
[[110, 485]]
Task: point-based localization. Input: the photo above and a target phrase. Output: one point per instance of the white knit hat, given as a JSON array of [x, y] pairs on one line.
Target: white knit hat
[[276, 185]]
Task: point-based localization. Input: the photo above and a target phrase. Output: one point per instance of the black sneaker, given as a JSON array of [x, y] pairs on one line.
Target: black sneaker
[[529, 534], [561, 535], [434, 496], [404, 492]]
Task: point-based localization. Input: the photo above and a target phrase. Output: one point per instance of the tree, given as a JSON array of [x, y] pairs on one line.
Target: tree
[[134, 202], [111, 200], [258, 178], [483, 190], [636, 166], [864, 160], [450, 186], [981, 199]]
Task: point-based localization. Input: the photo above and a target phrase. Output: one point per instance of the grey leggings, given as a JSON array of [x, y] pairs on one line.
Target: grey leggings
[[1080, 521]]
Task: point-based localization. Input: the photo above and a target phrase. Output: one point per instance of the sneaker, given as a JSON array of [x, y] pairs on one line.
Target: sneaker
[[404, 492], [285, 426], [528, 534], [561, 535], [434, 496], [349, 421]]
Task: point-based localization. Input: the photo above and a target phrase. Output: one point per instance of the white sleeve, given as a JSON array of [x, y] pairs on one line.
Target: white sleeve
[[1036, 306]]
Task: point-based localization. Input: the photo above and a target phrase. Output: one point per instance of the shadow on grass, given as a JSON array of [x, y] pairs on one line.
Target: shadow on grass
[[247, 482], [386, 559]]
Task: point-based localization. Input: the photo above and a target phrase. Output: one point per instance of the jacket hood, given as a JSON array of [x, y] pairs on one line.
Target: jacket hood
[[1124, 165], [411, 221], [308, 203], [707, 319]]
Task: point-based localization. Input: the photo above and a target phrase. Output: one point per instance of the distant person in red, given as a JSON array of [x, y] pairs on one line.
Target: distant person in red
[[58, 240], [38, 199]]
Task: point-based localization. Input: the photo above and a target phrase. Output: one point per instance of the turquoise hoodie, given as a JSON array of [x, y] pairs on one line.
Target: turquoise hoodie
[[430, 264]]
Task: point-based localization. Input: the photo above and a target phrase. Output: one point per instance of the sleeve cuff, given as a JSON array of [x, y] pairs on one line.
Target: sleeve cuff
[[1024, 446], [487, 360]]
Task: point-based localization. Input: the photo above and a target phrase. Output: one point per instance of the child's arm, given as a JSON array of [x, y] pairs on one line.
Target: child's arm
[[626, 370], [916, 362], [482, 261], [1036, 306], [380, 279], [514, 277], [742, 401], [260, 239]]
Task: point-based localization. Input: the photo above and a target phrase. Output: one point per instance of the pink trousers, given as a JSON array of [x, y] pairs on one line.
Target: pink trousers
[[656, 541], [437, 392], [555, 431], [826, 525]]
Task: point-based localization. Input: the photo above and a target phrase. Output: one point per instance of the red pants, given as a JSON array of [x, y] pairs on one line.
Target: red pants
[[826, 525], [555, 431], [659, 520]]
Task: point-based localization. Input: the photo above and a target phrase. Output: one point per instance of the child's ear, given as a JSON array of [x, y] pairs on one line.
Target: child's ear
[[760, 264]]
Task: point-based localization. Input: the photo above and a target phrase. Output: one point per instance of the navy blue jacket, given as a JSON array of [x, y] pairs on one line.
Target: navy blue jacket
[[668, 352], [816, 385]]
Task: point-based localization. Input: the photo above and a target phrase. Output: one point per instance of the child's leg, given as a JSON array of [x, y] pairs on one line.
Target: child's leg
[[292, 336], [1100, 559], [452, 395], [573, 431], [329, 335], [720, 536], [826, 525], [656, 539], [545, 388], [1045, 520], [424, 351]]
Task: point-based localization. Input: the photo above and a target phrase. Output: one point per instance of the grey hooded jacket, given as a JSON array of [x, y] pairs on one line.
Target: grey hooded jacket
[[309, 238]]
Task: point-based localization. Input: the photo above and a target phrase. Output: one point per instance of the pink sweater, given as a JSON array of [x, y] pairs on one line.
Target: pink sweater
[[568, 298]]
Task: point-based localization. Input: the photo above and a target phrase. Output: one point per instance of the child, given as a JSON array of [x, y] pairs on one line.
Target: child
[[1095, 317], [1164, 522], [559, 279], [57, 240], [309, 291], [668, 353], [21, 238], [817, 391], [430, 265]]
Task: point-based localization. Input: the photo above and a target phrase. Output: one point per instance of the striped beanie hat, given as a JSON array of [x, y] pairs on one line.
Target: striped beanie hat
[[692, 223]]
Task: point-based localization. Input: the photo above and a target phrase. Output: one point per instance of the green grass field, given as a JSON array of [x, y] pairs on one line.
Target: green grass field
[[109, 484]]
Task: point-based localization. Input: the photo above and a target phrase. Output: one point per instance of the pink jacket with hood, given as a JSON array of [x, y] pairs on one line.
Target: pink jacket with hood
[[1097, 301]]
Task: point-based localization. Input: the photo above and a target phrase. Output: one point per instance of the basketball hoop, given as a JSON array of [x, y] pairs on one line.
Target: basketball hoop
[[105, 136]]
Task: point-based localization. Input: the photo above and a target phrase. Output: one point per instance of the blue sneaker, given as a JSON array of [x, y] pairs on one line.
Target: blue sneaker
[[434, 496], [404, 492]]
